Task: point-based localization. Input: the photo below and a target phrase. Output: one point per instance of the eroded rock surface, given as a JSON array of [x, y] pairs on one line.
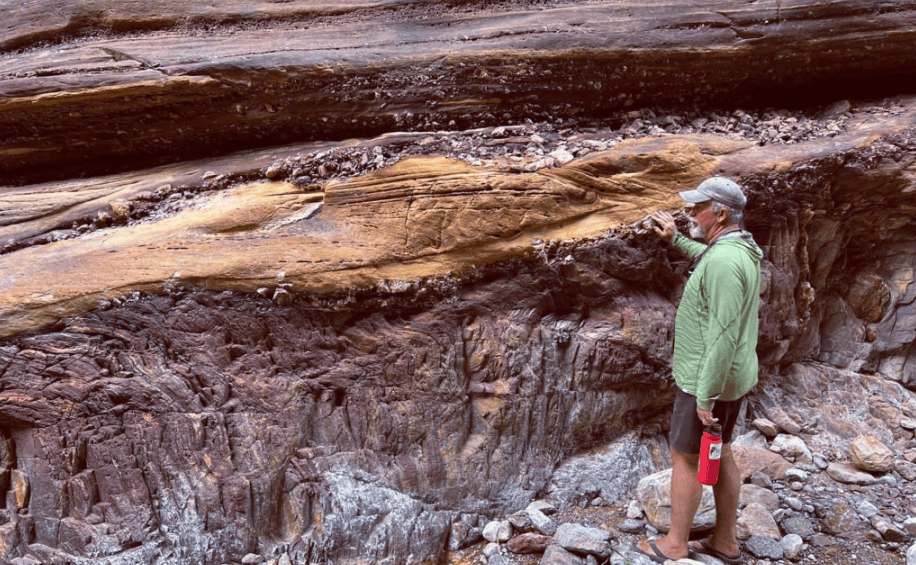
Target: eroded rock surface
[[362, 351], [100, 98]]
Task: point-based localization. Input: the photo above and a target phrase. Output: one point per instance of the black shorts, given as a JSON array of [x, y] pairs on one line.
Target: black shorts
[[686, 427]]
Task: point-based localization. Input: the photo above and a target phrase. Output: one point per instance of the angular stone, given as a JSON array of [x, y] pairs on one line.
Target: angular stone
[[654, 495], [888, 531], [766, 427], [541, 521], [756, 521], [556, 555], [792, 448], [464, 534], [752, 459], [909, 525], [785, 422], [497, 531], [846, 473], [631, 526], [798, 525], [870, 454], [840, 519], [764, 547], [529, 543], [543, 506], [751, 493], [18, 496], [520, 520], [75, 535], [582, 539]]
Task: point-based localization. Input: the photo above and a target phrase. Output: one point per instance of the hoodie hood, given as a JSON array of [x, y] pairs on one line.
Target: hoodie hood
[[744, 240]]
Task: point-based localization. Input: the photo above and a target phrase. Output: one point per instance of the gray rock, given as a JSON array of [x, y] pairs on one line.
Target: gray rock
[[762, 480], [613, 472], [792, 545], [911, 555], [764, 548], [494, 555], [794, 503], [556, 555], [793, 448], [582, 539], [910, 526], [798, 525], [365, 508], [543, 506], [520, 520], [631, 526], [464, 533], [634, 511], [866, 509], [541, 522], [252, 559], [497, 531], [654, 494], [905, 469]]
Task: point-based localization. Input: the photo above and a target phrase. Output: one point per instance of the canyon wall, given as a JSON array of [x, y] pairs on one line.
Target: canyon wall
[[336, 350]]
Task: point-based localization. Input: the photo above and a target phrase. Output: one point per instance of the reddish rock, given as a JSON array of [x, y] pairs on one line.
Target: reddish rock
[[529, 543]]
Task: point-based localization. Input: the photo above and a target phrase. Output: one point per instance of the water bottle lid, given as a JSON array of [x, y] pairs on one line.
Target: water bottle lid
[[715, 429]]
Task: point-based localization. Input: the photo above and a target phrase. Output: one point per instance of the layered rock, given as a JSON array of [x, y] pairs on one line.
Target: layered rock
[[277, 72], [216, 359]]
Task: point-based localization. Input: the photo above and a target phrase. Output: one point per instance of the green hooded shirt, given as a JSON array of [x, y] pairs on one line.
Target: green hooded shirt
[[715, 330]]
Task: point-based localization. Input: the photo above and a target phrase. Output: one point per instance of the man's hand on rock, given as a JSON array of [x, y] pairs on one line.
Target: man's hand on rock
[[664, 227]]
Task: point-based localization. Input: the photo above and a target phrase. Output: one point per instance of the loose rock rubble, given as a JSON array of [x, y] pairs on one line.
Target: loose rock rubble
[[799, 504]]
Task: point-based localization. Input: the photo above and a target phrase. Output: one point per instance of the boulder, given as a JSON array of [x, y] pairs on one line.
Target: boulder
[[869, 454], [584, 540], [654, 495]]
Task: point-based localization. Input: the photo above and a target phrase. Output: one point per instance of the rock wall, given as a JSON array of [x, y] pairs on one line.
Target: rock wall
[[242, 355]]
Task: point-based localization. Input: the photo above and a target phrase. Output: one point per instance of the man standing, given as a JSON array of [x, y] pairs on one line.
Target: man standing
[[714, 361]]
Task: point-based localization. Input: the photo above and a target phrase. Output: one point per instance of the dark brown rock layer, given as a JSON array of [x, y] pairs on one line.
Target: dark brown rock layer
[[103, 104], [344, 370]]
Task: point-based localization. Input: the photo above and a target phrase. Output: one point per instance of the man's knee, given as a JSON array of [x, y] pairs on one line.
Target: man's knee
[[691, 460]]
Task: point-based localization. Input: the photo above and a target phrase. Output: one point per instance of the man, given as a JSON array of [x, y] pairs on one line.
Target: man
[[714, 361]]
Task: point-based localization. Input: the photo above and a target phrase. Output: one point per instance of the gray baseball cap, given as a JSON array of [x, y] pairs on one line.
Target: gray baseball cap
[[720, 189]]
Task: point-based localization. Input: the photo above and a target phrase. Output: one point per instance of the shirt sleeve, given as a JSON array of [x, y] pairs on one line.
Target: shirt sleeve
[[721, 292], [688, 246]]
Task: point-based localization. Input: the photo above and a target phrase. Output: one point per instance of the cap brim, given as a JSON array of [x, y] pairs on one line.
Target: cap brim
[[694, 196]]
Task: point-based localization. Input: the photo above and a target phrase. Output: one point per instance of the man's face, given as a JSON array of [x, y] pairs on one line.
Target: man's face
[[701, 219]]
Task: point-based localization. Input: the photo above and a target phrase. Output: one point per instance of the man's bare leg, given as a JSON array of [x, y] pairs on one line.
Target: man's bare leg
[[686, 493], [727, 490]]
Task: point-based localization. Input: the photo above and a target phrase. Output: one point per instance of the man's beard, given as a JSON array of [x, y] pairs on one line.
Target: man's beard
[[697, 231]]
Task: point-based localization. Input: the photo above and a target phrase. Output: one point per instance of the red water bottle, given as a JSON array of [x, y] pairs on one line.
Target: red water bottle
[[710, 454]]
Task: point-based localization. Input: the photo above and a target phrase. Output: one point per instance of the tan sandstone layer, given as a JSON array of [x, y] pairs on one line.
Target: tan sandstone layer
[[423, 217]]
